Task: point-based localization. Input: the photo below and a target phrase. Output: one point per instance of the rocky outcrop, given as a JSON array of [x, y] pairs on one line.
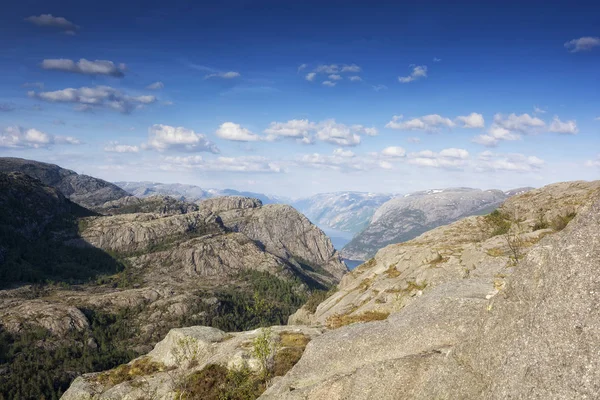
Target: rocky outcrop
[[182, 353], [400, 273], [406, 217], [58, 319], [221, 204], [528, 333], [162, 205], [82, 189], [285, 232]]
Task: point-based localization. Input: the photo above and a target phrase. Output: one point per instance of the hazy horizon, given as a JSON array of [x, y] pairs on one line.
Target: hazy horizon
[[294, 99]]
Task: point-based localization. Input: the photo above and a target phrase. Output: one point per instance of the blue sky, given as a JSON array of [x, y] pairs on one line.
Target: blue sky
[[300, 97]]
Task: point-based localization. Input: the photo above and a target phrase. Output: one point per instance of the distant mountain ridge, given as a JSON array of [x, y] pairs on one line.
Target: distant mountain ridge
[[406, 217], [192, 193], [343, 211], [84, 190]]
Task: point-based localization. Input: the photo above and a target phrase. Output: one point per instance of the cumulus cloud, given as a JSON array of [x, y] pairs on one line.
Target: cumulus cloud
[[418, 72], [428, 123], [236, 133], [342, 160], [16, 137], [302, 67], [155, 86], [489, 161], [329, 83], [355, 78], [310, 76], [328, 69], [332, 132], [85, 67], [335, 77], [472, 120], [593, 163], [223, 164], [585, 43], [351, 68], [393, 151], [435, 59], [511, 128], [86, 98], [115, 147], [538, 110], [223, 75], [295, 128], [451, 158], [566, 128], [165, 137], [50, 21]]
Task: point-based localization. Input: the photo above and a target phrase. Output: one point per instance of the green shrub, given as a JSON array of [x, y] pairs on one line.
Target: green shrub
[[497, 223]]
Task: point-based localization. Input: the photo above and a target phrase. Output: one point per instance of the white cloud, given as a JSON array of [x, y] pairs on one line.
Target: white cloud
[[566, 128], [335, 77], [435, 59], [413, 140], [327, 131], [224, 75], [511, 128], [393, 151], [585, 43], [302, 67], [428, 123], [379, 88], [538, 110], [418, 72], [16, 137], [97, 97], [332, 132], [593, 163], [296, 128], [329, 83], [489, 161], [343, 153], [236, 133], [472, 120], [355, 78], [50, 21], [165, 137], [451, 158], [222, 164], [155, 86], [85, 67], [115, 147], [351, 68], [328, 69], [310, 76]]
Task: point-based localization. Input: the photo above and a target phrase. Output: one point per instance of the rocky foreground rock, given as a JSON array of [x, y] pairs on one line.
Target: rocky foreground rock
[[497, 307]]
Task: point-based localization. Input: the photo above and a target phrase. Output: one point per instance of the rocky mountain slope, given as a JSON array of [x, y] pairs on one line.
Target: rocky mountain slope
[[405, 217], [191, 193], [490, 307], [343, 211], [81, 189], [107, 287]]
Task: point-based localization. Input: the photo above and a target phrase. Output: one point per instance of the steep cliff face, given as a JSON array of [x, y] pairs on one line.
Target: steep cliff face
[[82, 189], [406, 217]]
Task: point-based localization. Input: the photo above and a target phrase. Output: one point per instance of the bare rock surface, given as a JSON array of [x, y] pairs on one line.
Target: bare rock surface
[[182, 352]]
